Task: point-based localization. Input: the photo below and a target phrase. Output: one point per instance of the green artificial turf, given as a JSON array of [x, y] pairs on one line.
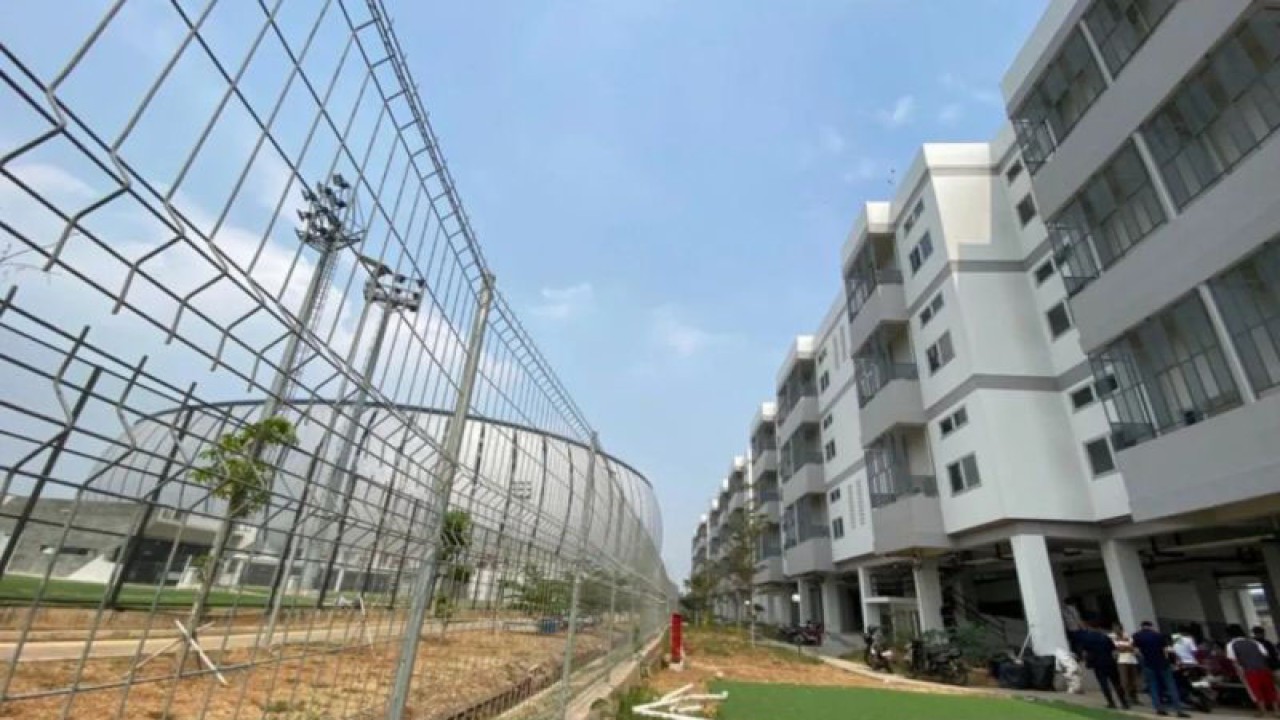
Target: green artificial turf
[[22, 589], [753, 701]]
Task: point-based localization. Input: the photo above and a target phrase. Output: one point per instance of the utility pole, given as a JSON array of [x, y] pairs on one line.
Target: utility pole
[[395, 293], [446, 471]]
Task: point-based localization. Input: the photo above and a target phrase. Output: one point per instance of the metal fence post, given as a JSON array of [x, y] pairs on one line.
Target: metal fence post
[[444, 485], [578, 564]]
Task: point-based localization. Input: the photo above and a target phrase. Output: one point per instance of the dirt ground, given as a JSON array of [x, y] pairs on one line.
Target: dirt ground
[[729, 655], [313, 682]]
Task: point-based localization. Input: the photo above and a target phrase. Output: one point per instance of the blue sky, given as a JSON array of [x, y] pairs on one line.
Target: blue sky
[[663, 187]]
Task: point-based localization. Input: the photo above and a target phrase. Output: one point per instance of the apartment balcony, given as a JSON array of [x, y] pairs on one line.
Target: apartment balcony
[[769, 571], [884, 302], [765, 461], [808, 479], [767, 503], [912, 520], [804, 410], [812, 555], [889, 395]]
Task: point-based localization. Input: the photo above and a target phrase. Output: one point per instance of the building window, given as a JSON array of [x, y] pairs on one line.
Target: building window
[[1064, 92], [837, 528], [829, 450], [1026, 209], [1101, 461], [824, 381], [931, 309], [833, 497], [1169, 372], [953, 422], [910, 220], [826, 421], [1114, 210], [1014, 170], [1119, 27], [940, 353], [1044, 271], [1221, 112], [859, 505], [921, 252], [1059, 320], [963, 474], [1248, 296], [822, 356], [1082, 398]]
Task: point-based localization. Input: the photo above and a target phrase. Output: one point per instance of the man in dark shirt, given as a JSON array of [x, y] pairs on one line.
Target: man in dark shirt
[[1100, 654], [1153, 650], [1273, 658]]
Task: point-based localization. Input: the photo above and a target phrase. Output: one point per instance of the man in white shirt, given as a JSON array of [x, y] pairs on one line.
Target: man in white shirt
[[1184, 647]]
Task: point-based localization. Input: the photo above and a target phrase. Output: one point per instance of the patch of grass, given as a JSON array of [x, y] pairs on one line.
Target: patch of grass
[[22, 589], [752, 701], [633, 696]]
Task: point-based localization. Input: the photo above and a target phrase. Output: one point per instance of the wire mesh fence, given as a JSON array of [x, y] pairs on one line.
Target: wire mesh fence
[[271, 442]]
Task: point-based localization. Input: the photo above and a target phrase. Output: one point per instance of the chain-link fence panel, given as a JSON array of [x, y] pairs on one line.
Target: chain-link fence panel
[[272, 444]]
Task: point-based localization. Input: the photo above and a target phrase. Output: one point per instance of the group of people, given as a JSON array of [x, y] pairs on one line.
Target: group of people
[[1117, 659]]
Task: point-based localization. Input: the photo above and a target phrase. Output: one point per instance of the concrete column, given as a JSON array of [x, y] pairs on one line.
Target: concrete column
[[806, 607], [870, 615], [1248, 611], [1040, 601], [1128, 583], [831, 604], [1271, 579], [1210, 600], [928, 594]]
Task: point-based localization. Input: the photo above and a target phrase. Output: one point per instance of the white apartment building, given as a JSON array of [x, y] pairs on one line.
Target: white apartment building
[[1001, 412]]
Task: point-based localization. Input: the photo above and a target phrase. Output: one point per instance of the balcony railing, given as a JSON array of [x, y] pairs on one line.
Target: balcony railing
[[872, 374], [758, 449], [862, 285], [788, 402], [888, 488], [763, 496], [793, 461]]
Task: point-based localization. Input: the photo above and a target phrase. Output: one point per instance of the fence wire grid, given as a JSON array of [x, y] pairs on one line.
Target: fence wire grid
[[272, 445]]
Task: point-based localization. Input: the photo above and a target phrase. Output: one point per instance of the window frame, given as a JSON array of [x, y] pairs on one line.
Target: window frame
[[961, 467], [1094, 472], [1041, 274], [933, 354], [1024, 218], [1056, 333]]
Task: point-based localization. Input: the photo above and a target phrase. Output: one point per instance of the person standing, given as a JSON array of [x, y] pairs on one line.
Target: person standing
[[1127, 660], [1100, 654], [1184, 647], [1072, 623], [1273, 658], [1153, 648], [1250, 657]]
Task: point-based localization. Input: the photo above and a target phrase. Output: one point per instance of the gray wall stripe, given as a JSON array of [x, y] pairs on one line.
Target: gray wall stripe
[[1026, 383]]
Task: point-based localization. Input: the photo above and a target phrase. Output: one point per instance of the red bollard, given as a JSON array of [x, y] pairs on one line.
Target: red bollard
[[677, 638]]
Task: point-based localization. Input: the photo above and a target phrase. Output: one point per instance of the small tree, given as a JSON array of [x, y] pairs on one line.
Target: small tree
[[740, 557], [235, 472], [700, 586], [455, 541], [535, 592]]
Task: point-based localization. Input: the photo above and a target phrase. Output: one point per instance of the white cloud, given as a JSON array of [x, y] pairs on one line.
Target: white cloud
[[974, 93], [950, 113], [563, 303], [831, 140], [677, 336], [898, 115]]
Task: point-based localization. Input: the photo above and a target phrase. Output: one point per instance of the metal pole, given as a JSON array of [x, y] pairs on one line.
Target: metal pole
[[448, 469], [579, 562], [347, 458]]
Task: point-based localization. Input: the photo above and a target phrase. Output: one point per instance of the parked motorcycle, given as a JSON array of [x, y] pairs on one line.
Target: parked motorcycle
[[876, 652], [809, 633], [942, 663]]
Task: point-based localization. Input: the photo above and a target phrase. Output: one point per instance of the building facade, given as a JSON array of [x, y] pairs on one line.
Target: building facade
[[1050, 374]]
